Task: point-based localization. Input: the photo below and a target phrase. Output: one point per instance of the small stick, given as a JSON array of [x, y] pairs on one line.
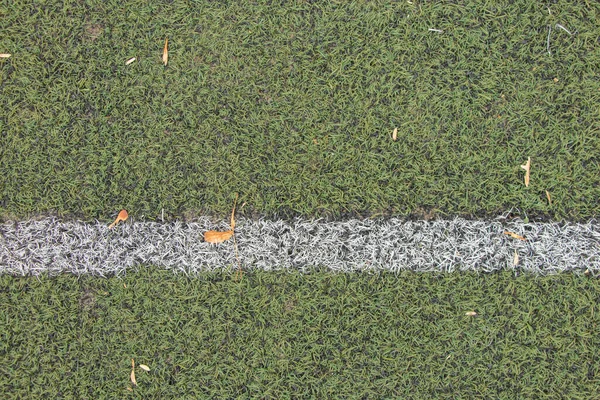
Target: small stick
[[548, 40], [435, 30]]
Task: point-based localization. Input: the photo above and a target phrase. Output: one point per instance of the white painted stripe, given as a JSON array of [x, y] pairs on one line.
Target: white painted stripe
[[52, 246]]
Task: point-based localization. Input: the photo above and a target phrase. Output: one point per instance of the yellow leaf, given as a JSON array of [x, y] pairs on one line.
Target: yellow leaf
[[395, 134], [121, 217], [145, 367], [5, 55], [165, 57], [527, 167], [470, 313], [514, 235], [549, 198], [217, 237], [130, 61], [132, 376]]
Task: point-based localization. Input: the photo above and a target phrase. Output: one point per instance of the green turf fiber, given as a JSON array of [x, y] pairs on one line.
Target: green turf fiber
[[293, 107], [282, 335]]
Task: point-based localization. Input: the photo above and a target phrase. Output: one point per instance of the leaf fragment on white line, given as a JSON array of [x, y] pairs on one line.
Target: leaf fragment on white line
[[527, 167], [514, 235], [516, 258], [132, 59]]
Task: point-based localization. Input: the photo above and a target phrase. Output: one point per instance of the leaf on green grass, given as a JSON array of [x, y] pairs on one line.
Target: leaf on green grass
[[132, 59], [132, 376], [549, 198], [5, 55], [471, 314], [165, 56], [395, 134], [145, 367], [527, 167]]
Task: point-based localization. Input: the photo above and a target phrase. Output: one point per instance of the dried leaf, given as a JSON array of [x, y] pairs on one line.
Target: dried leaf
[[220, 237], [133, 373], [5, 55], [395, 134], [145, 367], [471, 314], [514, 235], [233, 212], [527, 167], [165, 57], [132, 59], [516, 258], [217, 237], [549, 198], [121, 217]]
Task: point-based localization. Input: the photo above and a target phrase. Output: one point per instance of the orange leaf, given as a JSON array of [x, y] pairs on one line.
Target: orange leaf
[[217, 237], [220, 237], [121, 217], [514, 235], [165, 57], [233, 212]]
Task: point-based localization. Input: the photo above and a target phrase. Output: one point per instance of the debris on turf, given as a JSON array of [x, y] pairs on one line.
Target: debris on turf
[[220, 237], [165, 56], [121, 217], [527, 167]]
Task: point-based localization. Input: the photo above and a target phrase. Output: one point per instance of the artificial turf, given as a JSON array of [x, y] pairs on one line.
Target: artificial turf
[[292, 105], [291, 335]]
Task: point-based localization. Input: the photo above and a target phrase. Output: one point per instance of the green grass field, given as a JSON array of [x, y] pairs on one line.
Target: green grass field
[[293, 106], [289, 335]]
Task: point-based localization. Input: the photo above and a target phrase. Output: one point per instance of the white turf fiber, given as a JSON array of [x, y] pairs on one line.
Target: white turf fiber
[[53, 246]]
